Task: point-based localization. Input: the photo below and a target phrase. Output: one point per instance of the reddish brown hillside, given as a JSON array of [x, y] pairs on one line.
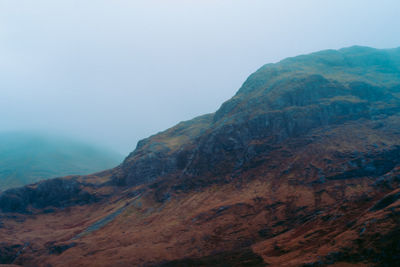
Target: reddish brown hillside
[[300, 168]]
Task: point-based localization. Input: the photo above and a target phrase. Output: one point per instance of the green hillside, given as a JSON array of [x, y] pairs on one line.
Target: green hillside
[[27, 158]]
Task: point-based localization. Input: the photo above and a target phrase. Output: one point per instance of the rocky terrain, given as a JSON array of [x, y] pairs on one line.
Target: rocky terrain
[[300, 168]]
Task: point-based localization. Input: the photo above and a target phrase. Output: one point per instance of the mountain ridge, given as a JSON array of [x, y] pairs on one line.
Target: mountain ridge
[[339, 96], [298, 168]]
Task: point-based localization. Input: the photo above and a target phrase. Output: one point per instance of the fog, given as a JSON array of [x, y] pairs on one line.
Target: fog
[[113, 72]]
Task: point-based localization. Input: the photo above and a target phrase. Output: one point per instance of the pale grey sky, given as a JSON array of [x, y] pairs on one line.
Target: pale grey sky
[[116, 71]]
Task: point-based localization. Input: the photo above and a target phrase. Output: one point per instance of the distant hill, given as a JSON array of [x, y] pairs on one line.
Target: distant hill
[[27, 158]]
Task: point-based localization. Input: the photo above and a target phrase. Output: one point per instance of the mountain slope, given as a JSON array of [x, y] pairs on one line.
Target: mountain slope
[[27, 158], [300, 168], [278, 101]]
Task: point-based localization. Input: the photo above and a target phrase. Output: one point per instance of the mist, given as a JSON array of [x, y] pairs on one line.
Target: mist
[[114, 72]]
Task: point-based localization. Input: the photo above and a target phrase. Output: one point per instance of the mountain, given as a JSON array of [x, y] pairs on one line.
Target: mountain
[[29, 157], [300, 168]]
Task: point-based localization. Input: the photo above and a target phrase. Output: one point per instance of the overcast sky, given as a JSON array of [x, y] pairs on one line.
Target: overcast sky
[[114, 72]]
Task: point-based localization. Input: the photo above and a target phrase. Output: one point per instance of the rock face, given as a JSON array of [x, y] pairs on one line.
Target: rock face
[[277, 102], [300, 168], [57, 193], [163, 153]]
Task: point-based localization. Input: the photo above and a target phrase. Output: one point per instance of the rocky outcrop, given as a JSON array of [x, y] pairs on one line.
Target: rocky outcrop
[[279, 101], [162, 154], [56, 193]]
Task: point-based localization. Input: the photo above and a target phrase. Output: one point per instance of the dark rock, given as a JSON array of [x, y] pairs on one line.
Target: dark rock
[[373, 165], [58, 193], [244, 257], [386, 201], [59, 249], [265, 233], [8, 253]]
